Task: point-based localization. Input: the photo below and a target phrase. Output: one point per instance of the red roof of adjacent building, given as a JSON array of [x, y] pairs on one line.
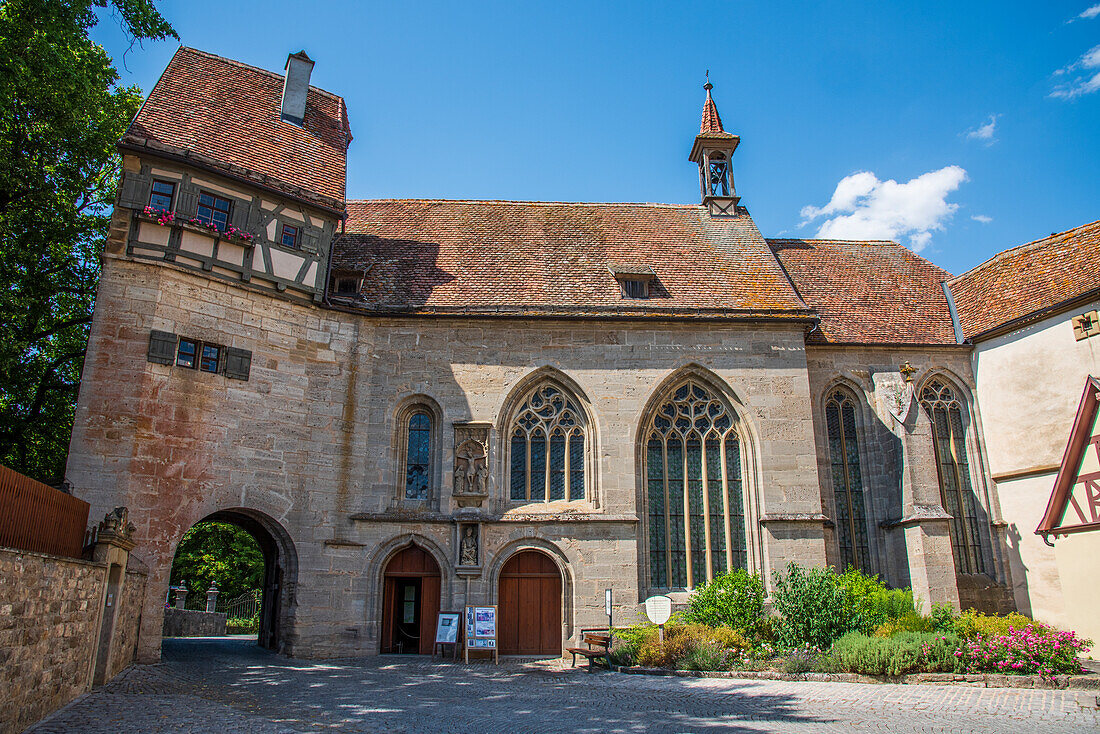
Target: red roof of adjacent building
[[1028, 279], [868, 292], [225, 114], [560, 259]]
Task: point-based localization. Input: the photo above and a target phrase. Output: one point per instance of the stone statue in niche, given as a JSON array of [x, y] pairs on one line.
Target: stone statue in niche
[[471, 470], [467, 548]]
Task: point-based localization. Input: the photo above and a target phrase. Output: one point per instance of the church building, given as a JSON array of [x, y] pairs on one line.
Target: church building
[[418, 404]]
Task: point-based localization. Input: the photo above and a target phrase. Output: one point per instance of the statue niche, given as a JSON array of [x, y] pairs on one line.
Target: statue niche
[[471, 470]]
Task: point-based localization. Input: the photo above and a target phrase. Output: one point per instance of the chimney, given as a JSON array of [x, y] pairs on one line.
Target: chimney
[[296, 86]]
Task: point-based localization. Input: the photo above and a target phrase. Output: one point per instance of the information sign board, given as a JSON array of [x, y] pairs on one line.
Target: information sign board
[[658, 609], [481, 630]]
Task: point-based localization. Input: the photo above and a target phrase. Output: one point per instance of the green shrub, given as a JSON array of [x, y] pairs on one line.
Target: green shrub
[[943, 618], [732, 600], [902, 654], [691, 644], [971, 624], [911, 622], [242, 626], [704, 656], [814, 609]]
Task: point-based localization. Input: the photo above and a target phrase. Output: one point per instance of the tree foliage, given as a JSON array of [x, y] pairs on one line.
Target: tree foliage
[[222, 553], [62, 111]]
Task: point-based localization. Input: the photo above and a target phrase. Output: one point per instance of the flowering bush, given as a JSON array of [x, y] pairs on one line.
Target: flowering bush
[[1035, 648], [732, 600], [163, 216]]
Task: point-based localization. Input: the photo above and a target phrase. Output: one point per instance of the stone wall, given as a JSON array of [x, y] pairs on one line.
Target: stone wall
[[193, 623], [128, 620], [49, 628], [308, 445]]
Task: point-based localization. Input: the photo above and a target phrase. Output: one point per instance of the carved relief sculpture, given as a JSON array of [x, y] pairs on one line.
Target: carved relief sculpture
[[471, 471]]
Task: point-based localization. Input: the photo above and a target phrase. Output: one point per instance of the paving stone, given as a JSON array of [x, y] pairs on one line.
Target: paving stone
[[230, 686]]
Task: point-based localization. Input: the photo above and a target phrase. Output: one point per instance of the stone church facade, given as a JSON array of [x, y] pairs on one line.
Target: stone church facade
[[418, 404]]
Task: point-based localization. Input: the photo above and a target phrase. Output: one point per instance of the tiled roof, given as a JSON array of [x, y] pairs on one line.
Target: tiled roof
[[868, 292], [711, 122], [227, 114], [558, 259], [1027, 279]]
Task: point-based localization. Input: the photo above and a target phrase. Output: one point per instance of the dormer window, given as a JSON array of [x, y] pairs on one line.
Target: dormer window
[[346, 283], [633, 279], [347, 286], [633, 288], [718, 169]]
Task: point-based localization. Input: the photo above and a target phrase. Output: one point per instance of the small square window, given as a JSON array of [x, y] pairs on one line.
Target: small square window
[[186, 353], [211, 356], [161, 195], [213, 210], [635, 288], [289, 237]]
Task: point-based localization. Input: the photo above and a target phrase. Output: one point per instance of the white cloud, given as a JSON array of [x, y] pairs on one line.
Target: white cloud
[[984, 132], [1086, 75], [981, 218], [1087, 13], [862, 207]]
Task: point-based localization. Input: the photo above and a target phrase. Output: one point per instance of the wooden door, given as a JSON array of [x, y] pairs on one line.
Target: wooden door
[[412, 567], [529, 603]]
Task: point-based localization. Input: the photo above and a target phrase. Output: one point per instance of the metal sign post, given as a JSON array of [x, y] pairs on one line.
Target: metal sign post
[[607, 607]]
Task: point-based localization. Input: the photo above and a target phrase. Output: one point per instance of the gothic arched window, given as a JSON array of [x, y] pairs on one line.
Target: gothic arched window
[[418, 457], [851, 514], [547, 442], [949, 438], [693, 489]]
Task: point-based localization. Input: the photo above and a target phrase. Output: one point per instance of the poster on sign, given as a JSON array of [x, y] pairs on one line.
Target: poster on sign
[[481, 630], [446, 630]]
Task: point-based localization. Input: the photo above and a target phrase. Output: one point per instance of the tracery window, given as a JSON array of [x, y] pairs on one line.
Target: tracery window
[[851, 514], [547, 448], [693, 489], [418, 454], [949, 438]]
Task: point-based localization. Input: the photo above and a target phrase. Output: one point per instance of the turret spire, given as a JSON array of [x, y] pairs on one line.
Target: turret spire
[[711, 123]]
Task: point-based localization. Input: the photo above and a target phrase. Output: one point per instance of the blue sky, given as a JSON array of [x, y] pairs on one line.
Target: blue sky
[[958, 128]]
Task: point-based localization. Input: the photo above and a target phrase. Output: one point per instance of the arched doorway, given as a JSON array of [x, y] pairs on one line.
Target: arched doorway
[[529, 601], [410, 602], [279, 577]]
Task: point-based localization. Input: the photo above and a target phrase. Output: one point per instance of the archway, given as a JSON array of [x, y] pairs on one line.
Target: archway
[[529, 603], [410, 602], [275, 613]]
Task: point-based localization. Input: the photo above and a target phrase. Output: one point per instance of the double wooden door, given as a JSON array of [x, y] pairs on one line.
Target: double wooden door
[[529, 604]]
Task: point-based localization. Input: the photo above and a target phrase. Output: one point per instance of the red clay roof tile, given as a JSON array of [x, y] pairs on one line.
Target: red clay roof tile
[[558, 258], [211, 107], [1028, 279], [868, 292]]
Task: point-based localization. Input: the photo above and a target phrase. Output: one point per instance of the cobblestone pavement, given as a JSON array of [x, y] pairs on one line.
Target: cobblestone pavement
[[230, 686]]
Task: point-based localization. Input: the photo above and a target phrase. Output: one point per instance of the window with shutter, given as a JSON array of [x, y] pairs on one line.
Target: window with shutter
[[162, 347], [238, 363], [309, 238], [242, 213], [188, 202]]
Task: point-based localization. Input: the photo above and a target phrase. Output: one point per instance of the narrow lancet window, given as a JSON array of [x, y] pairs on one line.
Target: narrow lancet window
[[851, 514], [418, 457], [949, 438]]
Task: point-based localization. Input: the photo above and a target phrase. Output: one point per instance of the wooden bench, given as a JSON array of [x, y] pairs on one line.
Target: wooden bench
[[597, 648]]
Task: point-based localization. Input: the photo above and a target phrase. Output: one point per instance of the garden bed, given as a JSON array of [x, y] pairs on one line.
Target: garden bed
[[848, 627]]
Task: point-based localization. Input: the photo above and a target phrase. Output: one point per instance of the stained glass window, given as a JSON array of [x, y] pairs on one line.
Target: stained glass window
[[547, 448], [693, 488], [851, 514], [418, 457], [949, 439]]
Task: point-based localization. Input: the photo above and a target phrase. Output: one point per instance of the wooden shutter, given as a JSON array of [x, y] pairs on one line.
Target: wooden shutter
[[310, 238], [187, 203], [238, 363], [135, 190], [240, 214], [162, 347]]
